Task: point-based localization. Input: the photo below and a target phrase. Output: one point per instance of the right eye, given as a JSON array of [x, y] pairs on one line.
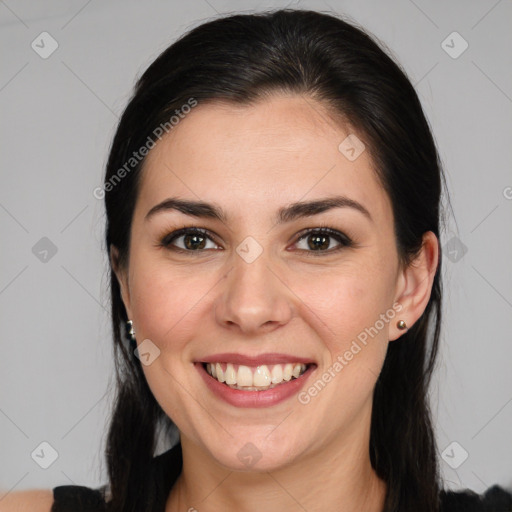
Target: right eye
[[191, 240]]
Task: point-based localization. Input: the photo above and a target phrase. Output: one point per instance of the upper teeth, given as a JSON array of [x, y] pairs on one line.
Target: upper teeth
[[259, 376]]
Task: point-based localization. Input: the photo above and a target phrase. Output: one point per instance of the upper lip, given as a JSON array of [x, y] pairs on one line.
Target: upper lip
[[268, 358]]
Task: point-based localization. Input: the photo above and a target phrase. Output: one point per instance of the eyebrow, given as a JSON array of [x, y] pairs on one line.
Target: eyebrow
[[285, 214]]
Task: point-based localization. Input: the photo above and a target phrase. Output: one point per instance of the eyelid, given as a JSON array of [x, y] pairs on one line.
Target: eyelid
[[324, 229]]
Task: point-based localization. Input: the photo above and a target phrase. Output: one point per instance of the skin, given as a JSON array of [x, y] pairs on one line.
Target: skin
[[34, 500], [252, 160]]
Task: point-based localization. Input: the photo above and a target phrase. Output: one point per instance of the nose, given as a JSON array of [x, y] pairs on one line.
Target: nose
[[254, 298]]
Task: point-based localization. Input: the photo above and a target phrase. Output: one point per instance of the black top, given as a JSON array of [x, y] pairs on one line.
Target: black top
[[76, 498]]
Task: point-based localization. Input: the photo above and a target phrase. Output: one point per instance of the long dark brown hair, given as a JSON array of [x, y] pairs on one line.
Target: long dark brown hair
[[241, 59]]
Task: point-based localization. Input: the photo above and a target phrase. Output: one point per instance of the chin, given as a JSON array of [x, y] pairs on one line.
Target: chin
[[255, 453], [250, 459]]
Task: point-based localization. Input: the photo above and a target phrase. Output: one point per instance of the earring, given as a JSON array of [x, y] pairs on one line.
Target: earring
[[401, 325], [131, 331]]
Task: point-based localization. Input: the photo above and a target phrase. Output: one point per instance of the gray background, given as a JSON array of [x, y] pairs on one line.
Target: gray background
[[58, 116]]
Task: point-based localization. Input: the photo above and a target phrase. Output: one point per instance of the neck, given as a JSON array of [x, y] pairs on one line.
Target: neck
[[337, 477]]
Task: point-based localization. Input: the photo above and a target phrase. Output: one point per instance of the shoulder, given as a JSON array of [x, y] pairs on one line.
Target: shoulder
[[65, 498], [494, 499], [40, 500]]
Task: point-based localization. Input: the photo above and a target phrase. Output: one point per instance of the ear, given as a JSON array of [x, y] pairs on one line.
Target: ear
[[122, 278], [415, 284]]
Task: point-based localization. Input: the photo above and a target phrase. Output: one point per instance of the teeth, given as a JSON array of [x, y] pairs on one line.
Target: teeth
[[230, 374], [244, 376], [277, 374], [258, 378], [261, 376], [218, 370], [287, 372]]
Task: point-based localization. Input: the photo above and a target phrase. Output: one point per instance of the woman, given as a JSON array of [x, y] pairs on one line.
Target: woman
[[273, 203]]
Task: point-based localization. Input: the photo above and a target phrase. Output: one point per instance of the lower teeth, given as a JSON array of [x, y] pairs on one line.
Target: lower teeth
[[252, 388]]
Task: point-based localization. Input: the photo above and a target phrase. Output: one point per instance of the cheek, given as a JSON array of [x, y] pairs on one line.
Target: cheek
[[344, 311], [345, 302], [166, 303], [168, 306]]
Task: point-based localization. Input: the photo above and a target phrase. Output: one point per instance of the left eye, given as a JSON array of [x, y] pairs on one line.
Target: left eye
[[319, 240]]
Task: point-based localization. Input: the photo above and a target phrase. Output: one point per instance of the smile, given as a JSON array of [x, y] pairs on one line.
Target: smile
[[242, 385]]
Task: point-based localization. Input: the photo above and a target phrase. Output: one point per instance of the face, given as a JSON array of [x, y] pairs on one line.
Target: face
[[263, 287]]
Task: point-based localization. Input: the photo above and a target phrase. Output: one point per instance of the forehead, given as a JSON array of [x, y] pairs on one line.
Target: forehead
[[258, 157]]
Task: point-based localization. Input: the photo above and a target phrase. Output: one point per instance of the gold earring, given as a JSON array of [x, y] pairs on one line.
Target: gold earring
[[401, 325]]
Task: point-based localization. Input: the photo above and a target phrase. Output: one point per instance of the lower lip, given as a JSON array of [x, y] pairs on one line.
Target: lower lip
[[265, 398]]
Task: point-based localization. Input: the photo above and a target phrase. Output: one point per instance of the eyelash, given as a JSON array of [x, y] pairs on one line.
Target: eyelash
[[340, 237]]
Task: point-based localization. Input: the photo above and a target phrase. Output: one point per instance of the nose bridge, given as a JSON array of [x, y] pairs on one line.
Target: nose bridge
[[253, 296]]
